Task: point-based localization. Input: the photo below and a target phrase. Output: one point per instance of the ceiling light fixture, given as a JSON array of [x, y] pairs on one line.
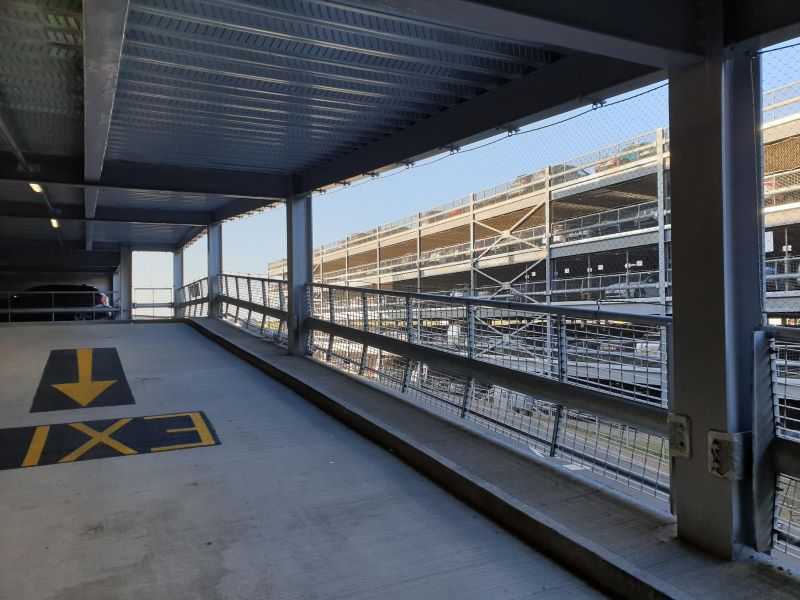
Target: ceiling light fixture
[[36, 188], [54, 223]]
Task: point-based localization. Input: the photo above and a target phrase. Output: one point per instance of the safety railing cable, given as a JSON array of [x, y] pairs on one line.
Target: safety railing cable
[[586, 386]]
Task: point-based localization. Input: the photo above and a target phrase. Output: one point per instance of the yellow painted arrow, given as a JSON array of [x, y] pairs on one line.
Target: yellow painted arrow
[[85, 390]]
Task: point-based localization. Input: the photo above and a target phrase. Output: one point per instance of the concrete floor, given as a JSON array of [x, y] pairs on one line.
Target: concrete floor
[[291, 505]]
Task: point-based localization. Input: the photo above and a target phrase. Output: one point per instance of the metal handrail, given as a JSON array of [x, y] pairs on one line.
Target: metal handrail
[[576, 312], [579, 364], [7, 299]]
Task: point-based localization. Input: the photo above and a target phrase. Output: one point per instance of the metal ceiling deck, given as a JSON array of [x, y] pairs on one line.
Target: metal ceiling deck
[[172, 114], [41, 75], [286, 85]]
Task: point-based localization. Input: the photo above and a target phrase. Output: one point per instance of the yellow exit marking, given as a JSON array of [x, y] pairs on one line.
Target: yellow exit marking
[[84, 391], [37, 445], [49, 443], [99, 437]]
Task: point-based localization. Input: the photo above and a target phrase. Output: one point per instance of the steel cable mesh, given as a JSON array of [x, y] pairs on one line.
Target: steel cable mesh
[[621, 358], [785, 367], [786, 388], [577, 212], [254, 292], [780, 76], [636, 459], [624, 359], [191, 300], [786, 526]]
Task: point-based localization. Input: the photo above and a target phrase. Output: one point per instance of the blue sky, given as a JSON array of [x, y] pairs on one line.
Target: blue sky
[[250, 243]]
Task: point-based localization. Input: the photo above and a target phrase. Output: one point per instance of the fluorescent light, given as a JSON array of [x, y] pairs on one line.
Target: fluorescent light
[[36, 188], [54, 223]]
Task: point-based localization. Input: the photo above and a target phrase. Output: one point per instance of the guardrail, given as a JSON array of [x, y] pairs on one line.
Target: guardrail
[[192, 299], [68, 305], [589, 387], [584, 385], [776, 440], [257, 304], [152, 302]]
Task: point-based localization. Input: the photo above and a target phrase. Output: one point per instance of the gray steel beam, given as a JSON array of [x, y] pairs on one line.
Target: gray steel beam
[[15, 258], [756, 24], [120, 175], [570, 83], [299, 253], [150, 247], [103, 33], [660, 34], [190, 236], [72, 212], [716, 185], [241, 207]]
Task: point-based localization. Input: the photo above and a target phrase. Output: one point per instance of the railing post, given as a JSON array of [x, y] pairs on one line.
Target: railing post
[[249, 299], [556, 426], [470, 383], [563, 365], [561, 340], [764, 475], [265, 301], [409, 320], [365, 327], [236, 286]]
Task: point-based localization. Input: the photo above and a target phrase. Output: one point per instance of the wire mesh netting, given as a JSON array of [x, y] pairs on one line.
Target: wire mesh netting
[[191, 300], [786, 531], [628, 360], [144, 299], [786, 389], [780, 74], [573, 209], [245, 300]]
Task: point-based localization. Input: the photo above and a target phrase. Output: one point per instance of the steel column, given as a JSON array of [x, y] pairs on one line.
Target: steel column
[[177, 271], [123, 281], [299, 254], [715, 110], [214, 256]]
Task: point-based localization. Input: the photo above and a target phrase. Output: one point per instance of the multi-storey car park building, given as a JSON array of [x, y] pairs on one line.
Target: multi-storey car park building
[[595, 228]]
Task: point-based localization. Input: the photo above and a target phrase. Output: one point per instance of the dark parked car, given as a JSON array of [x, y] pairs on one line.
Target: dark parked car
[[71, 303]]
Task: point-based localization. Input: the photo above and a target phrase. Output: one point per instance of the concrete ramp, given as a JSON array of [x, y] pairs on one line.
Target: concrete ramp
[[282, 501]]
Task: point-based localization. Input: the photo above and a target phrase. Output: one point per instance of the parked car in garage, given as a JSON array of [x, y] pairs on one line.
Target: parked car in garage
[[60, 302]]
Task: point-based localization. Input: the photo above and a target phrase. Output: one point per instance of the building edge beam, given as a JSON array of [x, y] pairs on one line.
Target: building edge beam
[[572, 82]]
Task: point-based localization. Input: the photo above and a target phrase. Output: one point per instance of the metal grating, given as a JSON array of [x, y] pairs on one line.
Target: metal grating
[[145, 233], [160, 200], [786, 388], [786, 531], [41, 75], [286, 85]]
